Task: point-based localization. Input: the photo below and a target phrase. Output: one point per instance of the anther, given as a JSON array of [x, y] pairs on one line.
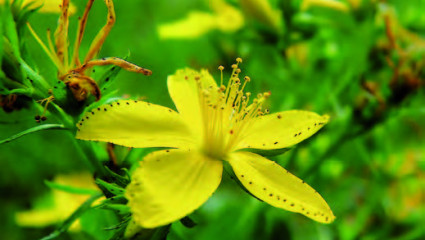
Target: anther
[[246, 78], [234, 66], [221, 68], [238, 60]]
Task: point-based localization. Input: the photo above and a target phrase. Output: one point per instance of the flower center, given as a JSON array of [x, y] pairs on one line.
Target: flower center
[[227, 112]]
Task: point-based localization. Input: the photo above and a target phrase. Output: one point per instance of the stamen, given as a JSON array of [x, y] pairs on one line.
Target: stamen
[[46, 102], [229, 113]]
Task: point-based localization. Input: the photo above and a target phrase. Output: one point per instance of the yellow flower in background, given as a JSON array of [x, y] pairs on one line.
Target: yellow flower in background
[[224, 18], [262, 11], [48, 6], [331, 4], [62, 203], [213, 124]]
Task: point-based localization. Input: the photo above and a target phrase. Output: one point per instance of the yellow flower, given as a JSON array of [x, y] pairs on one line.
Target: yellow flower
[[47, 6], [331, 4], [63, 205], [213, 124], [225, 18], [262, 11]]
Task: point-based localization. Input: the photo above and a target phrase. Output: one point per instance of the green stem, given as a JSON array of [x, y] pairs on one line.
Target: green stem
[[87, 150]]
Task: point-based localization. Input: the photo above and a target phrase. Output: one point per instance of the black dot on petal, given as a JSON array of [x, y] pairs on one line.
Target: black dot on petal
[[128, 103], [98, 109], [242, 176], [92, 113], [276, 143], [307, 213], [295, 135], [264, 189], [271, 194], [104, 109], [250, 182], [284, 200], [327, 219], [292, 204], [118, 103]]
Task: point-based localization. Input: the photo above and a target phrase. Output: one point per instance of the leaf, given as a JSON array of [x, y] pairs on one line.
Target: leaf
[[10, 29], [32, 130], [70, 189], [119, 208], [120, 180], [267, 153], [111, 188], [109, 76], [67, 223]]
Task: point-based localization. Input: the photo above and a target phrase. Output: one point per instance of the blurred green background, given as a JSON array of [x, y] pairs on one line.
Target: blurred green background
[[360, 61]]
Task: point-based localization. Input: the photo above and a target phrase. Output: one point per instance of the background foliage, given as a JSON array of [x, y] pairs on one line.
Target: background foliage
[[361, 62]]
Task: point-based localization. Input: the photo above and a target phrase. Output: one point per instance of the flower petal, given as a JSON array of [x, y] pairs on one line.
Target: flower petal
[[135, 124], [171, 184], [184, 89], [273, 184], [281, 130]]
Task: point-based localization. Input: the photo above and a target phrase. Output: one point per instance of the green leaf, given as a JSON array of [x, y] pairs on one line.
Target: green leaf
[[10, 29], [111, 188], [109, 76], [70, 189], [77, 214], [119, 208], [120, 180], [267, 153], [32, 130]]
